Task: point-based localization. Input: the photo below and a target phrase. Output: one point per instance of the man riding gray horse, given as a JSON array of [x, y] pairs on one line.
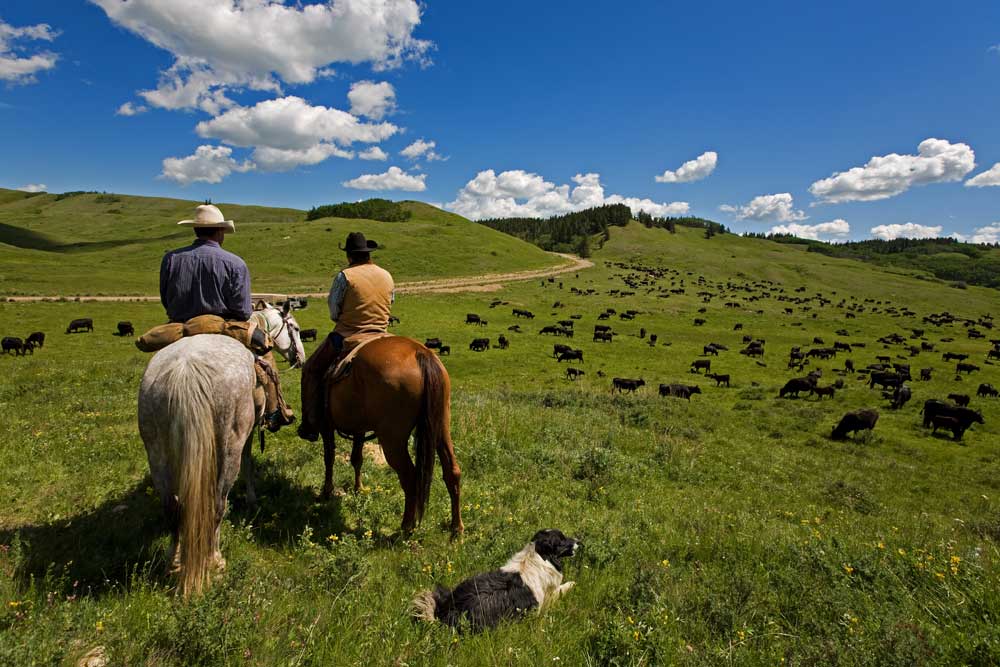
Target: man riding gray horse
[[360, 300], [203, 279]]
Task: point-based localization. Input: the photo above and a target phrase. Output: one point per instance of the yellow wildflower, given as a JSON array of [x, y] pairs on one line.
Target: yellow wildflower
[[665, 563], [901, 551], [881, 545], [848, 569], [100, 626]]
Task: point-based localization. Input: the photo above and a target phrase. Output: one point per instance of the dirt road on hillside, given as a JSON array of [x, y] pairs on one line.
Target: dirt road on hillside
[[484, 283]]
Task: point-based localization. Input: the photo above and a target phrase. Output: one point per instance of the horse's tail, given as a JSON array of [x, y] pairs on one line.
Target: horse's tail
[[192, 447], [431, 425]]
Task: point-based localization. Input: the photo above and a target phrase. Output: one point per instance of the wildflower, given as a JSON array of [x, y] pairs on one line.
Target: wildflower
[[635, 635], [955, 560], [848, 569], [881, 545], [14, 604], [742, 635], [100, 626], [630, 621], [332, 538], [368, 534], [665, 563], [939, 575], [901, 551]]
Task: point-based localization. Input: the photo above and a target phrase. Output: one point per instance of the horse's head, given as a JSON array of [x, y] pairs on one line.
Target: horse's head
[[284, 331]]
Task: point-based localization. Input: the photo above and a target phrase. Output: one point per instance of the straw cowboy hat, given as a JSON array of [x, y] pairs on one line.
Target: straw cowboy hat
[[356, 242], [210, 216]]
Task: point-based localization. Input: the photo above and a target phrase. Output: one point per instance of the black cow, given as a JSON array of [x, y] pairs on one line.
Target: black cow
[[698, 321], [472, 318], [516, 328], [432, 343], [571, 355], [679, 390], [81, 324], [720, 378], [559, 348], [518, 312], [16, 345], [859, 420], [479, 344], [626, 384], [795, 385], [900, 397], [966, 416], [966, 368], [886, 379], [503, 343], [37, 338], [987, 389], [573, 373], [959, 399], [701, 364], [602, 337], [848, 365], [444, 350], [824, 391], [710, 349], [307, 334], [953, 424], [954, 356], [126, 329], [925, 374]]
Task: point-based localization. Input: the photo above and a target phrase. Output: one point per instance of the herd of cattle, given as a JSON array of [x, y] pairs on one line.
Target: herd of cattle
[[36, 339], [887, 373]]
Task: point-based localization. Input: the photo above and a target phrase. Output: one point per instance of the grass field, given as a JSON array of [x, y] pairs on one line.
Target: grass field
[[95, 244], [727, 530]]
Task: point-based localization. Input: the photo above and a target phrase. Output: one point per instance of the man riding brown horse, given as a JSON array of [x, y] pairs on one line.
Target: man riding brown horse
[[201, 280], [360, 300]]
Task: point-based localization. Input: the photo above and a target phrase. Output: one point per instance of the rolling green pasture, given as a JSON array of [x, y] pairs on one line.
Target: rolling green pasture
[[94, 244], [727, 530]]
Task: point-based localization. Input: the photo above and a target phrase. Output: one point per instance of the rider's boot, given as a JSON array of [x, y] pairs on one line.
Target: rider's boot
[[314, 390], [276, 410]]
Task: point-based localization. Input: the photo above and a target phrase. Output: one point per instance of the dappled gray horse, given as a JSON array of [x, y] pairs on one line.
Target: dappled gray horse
[[197, 410]]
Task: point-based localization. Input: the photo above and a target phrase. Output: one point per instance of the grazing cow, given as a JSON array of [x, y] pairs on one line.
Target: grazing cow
[[925, 374], [81, 324], [559, 348], [652, 340], [479, 344], [701, 364], [602, 337], [573, 373], [842, 347], [795, 385], [503, 343], [993, 354], [37, 338], [432, 343], [885, 379], [603, 316], [571, 355], [566, 324], [738, 327], [626, 384], [679, 390], [444, 350], [710, 349], [987, 389], [126, 329], [959, 399], [393, 320], [15, 345], [307, 334], [824, 391], [720, 378], [472, 318], [954, 356], [848, 365], [604, 328], [966, 368], [518, 312], [883, 359], [859, 420], [839, 383], [952, 424], [900, 397], [698, 321], [966, 416], [551, 330]]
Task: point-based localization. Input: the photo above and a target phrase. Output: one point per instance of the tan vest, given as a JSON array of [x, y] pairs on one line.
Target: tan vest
[[367, 302]]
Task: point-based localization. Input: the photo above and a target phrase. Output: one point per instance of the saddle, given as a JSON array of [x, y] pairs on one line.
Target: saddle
[[249, 334], [340, 368]]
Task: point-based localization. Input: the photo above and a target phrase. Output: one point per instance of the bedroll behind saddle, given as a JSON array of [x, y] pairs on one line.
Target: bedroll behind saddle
[[159, 337]]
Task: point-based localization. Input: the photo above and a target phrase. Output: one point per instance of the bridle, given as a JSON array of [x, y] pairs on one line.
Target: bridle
[[294, 354]]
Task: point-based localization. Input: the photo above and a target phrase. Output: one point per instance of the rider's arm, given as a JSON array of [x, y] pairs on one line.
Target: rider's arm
[[336, 298], [238, 299], [164, 280]]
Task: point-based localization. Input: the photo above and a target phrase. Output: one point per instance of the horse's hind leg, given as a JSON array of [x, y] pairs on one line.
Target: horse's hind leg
[[397, 455], [357, 458], [329, 449], [452, 479]]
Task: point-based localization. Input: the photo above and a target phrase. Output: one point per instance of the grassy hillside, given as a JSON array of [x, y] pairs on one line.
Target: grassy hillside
[[727, 530], [112, 244]]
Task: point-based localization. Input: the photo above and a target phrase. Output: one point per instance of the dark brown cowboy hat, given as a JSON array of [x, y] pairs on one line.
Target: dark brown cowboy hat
[[356, 242]]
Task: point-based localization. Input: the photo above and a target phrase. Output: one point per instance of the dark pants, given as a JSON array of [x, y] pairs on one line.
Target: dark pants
[[314, 406]]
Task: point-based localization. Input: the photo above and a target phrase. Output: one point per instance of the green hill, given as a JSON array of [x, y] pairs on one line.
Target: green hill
[[112, 244]]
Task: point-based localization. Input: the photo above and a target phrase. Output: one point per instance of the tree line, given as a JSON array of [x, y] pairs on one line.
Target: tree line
[[369, 209]]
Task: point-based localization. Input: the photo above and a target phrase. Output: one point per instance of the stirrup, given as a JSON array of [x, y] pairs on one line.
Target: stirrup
[[276, 420]]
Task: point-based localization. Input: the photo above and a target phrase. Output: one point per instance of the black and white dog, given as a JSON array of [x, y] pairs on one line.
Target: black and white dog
[[531, 579]]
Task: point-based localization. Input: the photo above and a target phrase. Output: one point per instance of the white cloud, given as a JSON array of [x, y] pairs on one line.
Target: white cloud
[[517, 193], [208, 164], [987, 234], [835, 228], [17, 67], [221, 44], [288, 131], [421, 149], [909, 230], [33, 187], [989, 177], [129, 109], [393, 179], [937, 161], [373, 153], [371, 99], [692, 170], [780, 207]]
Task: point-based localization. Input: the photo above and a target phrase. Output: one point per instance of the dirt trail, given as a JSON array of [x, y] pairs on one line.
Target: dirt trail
[[484, 283]]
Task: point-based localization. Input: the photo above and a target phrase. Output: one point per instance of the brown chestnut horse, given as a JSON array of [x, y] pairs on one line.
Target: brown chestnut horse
[[395, 385]]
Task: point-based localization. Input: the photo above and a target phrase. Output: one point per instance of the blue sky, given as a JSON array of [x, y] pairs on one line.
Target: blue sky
[[533, 108]]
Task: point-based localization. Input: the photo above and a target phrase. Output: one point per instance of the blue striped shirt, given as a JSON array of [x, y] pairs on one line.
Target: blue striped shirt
[[204, 279]]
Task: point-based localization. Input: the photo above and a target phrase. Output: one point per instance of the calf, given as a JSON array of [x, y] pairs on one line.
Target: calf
[[824, 391], [952, 424], [925, 374], [720, 378], [848, 365], [444, 350], [679, 390], [859, 420], [503, 343], [933, 408], [573, 373], [432, 343], [126, 329], [626, 384], [307, 334], [516, 328]]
